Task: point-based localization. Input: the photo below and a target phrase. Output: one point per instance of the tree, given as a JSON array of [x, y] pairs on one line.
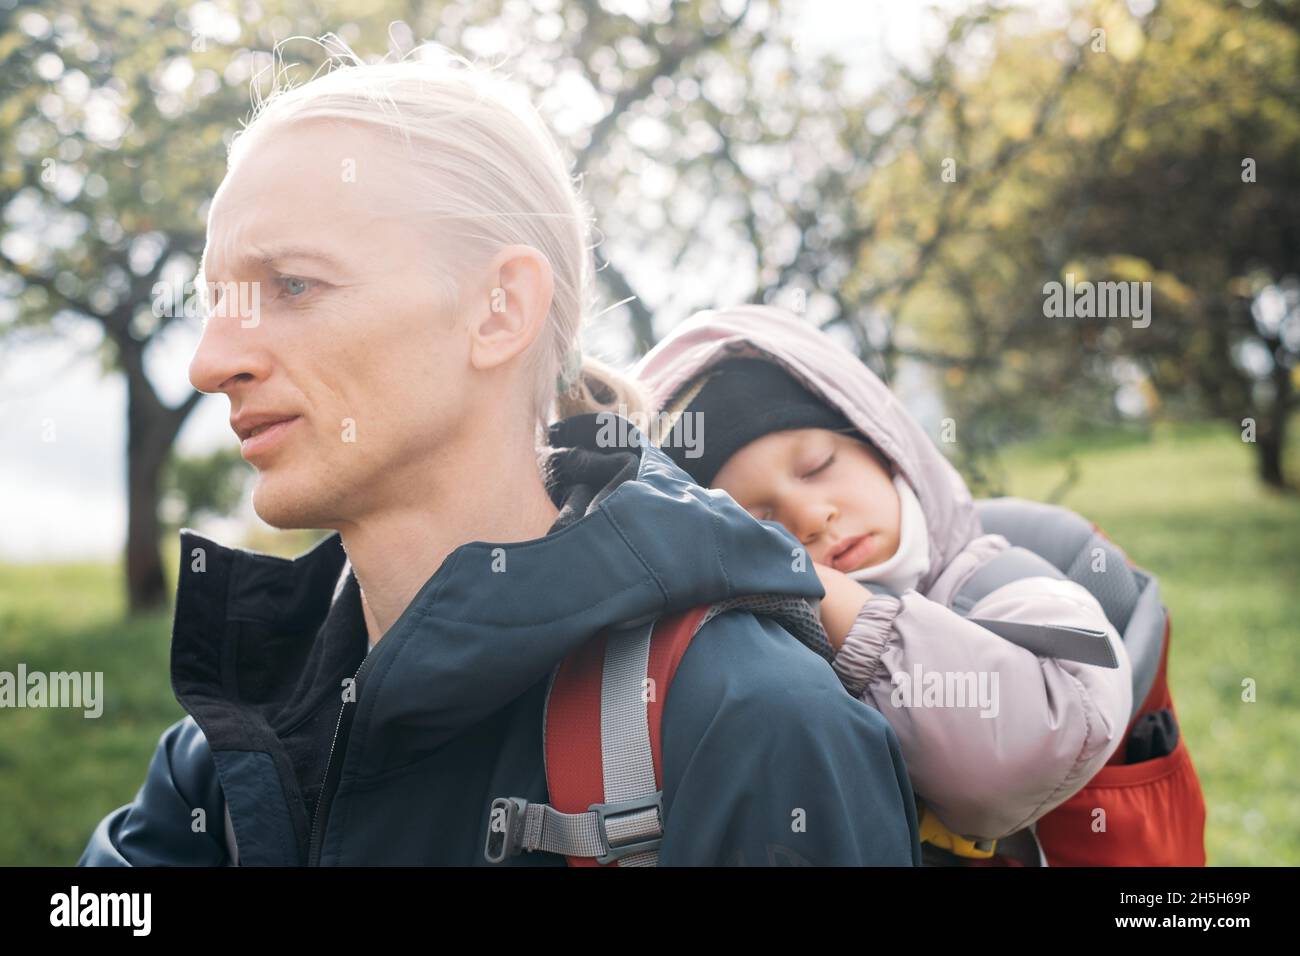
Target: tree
[[1155, 148], [101, 205]]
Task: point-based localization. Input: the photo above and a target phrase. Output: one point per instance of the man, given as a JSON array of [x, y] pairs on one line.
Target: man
[[366, 702]]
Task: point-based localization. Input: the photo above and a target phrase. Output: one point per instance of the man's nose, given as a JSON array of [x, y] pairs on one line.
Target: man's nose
[[231, 349]]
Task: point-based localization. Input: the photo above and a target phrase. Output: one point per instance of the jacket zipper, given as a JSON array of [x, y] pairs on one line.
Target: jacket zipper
[[317, 837]]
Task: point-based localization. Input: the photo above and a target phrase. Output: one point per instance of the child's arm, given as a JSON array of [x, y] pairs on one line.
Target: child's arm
[[843, 602], [996, 761]]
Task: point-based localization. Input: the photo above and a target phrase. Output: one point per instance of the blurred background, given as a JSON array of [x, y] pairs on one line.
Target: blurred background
[[907, 175]]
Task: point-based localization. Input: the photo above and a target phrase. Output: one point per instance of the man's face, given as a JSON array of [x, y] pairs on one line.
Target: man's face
[[828, 490], [351, 341]]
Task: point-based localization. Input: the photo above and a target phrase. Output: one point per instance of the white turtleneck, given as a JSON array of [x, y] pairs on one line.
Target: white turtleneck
[[911, 561]]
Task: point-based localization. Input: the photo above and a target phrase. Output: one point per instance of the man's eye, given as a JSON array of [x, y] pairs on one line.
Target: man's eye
[[294, 286]]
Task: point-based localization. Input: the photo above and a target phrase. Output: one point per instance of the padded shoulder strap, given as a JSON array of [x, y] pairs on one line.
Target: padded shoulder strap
[[1049, 539], [603, 744], [1074, 546], [1011, 565]]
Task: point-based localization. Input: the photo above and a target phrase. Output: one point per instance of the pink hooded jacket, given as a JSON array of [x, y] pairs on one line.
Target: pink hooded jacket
[[1057, 721]]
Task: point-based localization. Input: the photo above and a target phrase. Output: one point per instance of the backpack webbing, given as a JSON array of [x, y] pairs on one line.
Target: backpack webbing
[[606, 789]]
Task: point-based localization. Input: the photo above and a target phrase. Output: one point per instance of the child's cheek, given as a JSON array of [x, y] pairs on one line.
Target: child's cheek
[[893, 529]]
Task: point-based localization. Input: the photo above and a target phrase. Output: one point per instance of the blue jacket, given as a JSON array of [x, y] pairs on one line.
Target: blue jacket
[[447, 709]]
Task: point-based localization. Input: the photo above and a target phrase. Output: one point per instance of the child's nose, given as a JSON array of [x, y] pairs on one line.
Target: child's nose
[[811, 521]]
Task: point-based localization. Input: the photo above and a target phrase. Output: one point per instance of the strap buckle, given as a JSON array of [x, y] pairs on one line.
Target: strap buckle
[[505, 828], [605, 811]]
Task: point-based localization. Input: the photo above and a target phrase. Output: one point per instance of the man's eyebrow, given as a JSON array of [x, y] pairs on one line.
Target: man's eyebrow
[[270, 255]]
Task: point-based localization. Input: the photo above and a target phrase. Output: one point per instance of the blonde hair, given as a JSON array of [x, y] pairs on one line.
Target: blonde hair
[[481, 156]]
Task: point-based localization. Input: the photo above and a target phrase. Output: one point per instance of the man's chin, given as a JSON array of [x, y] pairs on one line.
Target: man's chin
[[282, 507]]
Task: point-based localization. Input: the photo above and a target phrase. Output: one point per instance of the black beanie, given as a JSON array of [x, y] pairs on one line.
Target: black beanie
[[741, 400]]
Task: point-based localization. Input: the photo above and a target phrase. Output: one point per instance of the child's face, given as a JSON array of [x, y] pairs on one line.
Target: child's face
[[828, 490]]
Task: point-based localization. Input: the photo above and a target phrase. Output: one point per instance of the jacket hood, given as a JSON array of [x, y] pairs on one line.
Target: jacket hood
[[635, 539], [840, 379]]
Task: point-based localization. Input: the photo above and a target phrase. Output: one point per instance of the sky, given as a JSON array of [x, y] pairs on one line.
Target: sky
[[63, 422]]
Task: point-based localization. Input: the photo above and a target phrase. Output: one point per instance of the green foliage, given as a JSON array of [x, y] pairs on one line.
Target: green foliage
[[207, 485], [1112, 150]]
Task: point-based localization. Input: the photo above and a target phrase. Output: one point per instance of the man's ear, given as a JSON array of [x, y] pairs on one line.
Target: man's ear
[[519, 286]]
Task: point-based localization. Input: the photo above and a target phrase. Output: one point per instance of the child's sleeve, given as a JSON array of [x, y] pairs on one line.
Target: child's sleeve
[[1030, 731]]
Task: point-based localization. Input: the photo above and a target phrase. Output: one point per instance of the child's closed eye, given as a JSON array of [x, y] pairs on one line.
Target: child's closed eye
[[822, 467]]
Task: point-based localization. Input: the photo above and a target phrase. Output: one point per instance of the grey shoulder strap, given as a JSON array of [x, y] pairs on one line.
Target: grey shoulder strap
[[1013, 564], [628, 827]]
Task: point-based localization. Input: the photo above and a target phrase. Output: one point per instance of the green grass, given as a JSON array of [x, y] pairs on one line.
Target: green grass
[[60, 771], [1183, 502]]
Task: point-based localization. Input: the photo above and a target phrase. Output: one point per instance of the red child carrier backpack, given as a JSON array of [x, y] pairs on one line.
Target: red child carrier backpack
[[605, 706]]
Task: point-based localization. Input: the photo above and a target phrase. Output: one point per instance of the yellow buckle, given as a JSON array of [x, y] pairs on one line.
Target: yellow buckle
[[934, 832]]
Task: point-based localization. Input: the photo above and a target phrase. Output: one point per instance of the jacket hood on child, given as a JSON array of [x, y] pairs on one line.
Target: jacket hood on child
[[843, 382]]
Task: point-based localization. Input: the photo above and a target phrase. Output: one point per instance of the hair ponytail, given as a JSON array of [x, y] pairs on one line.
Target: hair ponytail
[[599, 387]]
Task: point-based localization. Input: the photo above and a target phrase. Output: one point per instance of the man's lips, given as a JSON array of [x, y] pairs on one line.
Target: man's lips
[[853, 552], [258, 435], [246, 423]]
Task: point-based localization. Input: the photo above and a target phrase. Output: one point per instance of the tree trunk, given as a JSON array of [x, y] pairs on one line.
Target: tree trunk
[[1271, 443], [1270, 459], [147, 445], [151, 430]]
